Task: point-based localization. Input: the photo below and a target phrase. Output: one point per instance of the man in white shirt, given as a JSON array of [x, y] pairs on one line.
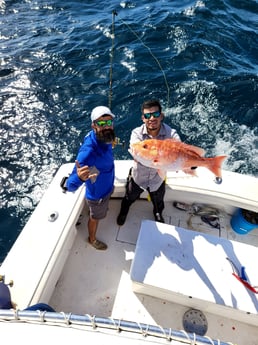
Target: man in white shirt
[[140, 177]]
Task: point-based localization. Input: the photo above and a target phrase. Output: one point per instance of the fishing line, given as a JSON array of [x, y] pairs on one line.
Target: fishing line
[[114, 13]]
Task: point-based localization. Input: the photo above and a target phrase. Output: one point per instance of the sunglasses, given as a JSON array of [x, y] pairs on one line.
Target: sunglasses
[[103, 123], [155, 114]]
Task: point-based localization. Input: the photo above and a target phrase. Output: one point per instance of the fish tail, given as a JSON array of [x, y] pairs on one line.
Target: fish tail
[[214, 165]]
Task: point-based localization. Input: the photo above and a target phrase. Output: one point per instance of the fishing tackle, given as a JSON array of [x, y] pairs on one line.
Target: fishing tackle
[[114, 13], [118, 141], [241, 276]]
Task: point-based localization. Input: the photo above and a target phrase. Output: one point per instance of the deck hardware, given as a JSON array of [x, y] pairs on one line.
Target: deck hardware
[[240, 275], [194, 321], [218, 180], [53, 216], [63, 184]]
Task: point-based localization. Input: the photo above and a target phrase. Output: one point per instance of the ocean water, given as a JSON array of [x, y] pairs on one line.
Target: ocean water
[[59, 59]]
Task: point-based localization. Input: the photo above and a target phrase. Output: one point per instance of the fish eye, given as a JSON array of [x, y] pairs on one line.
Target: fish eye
[[145, 146]]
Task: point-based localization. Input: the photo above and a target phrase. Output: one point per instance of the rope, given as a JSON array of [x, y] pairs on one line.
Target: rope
[[92, 319], [164, 333], [66, 317], [42, 315], [117, 325], [212, 342]]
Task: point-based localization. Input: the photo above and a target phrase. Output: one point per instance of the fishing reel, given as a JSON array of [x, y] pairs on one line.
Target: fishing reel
[[117, 141], [2, 280]]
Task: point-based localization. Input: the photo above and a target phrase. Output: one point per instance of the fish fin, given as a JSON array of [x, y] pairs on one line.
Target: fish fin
[[196, 149], [190, 171], [214, 165]]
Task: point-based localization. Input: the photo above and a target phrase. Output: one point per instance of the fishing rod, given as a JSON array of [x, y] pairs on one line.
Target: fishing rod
[[114, 13], [117, 140]]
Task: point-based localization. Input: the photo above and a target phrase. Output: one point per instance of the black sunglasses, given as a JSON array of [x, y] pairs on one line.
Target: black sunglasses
[[155, 114]]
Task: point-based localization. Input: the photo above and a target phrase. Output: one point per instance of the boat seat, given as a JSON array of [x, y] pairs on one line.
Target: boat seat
[[191, 269]]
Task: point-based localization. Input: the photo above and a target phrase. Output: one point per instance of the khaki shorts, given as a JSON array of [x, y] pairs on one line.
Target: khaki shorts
[[98, 208]]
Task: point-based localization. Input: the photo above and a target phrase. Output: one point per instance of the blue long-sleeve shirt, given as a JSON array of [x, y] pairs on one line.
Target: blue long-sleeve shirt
[[94, 154]]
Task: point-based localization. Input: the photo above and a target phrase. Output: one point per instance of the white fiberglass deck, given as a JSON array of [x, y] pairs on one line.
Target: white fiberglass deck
[[99, 283], [192, 269]]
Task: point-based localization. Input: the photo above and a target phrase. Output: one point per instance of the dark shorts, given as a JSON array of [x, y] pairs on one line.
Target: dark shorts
[[133, 192], [98, 208]]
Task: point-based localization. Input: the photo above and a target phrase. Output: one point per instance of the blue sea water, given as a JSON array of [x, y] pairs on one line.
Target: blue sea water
[[59, 59]]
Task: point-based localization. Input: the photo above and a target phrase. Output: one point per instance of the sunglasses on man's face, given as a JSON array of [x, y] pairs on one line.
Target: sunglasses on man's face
[[155, 114], [103, 123]]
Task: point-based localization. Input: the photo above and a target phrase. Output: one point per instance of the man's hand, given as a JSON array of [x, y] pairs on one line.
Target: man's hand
[[84, 172]]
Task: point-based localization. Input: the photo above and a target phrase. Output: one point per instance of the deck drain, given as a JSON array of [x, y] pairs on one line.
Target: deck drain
[[53, 216], [194, 321]]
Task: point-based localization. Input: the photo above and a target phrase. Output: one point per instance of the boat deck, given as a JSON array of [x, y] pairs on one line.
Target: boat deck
[[98, 282], [65, 271]]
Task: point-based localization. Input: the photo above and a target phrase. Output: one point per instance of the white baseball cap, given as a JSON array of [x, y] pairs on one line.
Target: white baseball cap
[[100, 111]]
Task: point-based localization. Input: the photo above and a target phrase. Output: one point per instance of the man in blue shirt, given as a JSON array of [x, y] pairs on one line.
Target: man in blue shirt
[[94, 166]]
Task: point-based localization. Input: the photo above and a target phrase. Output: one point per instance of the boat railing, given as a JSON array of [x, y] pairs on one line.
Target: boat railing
[[87, 322]]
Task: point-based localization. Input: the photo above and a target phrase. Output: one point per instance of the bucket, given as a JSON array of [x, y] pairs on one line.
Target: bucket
[[244, 221]]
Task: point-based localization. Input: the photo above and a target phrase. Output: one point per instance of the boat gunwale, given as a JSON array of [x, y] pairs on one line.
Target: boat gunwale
[[76, 320]]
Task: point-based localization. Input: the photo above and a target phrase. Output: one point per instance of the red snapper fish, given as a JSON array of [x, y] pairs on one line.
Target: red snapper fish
[[173, 155]]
